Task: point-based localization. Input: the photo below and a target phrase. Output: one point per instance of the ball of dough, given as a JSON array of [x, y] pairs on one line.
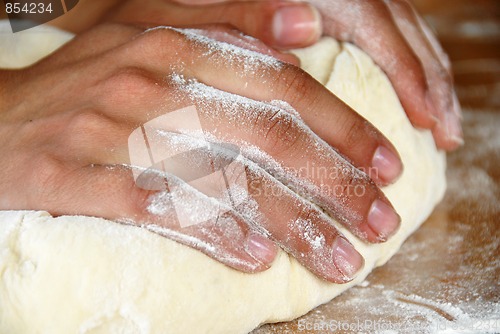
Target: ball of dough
[[75, 274]]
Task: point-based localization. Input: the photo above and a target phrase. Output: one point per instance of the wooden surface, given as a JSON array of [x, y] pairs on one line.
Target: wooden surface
[[446, 278], [470, 32]]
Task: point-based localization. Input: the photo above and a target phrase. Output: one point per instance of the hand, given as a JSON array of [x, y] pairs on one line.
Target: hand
[[281, 24], [66, 121], [402, 44], [394, 35]]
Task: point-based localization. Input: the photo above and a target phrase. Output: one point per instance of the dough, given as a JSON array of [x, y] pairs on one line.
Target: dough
[[88, 275]]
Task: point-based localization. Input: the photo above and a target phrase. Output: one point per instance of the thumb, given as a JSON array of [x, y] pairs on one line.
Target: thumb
[[280, 24]]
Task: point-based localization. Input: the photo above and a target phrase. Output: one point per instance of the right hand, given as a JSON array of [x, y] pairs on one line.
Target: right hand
[[66, 121]]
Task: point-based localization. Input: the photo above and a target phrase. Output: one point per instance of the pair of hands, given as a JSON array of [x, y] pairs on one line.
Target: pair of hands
[[65, 149]]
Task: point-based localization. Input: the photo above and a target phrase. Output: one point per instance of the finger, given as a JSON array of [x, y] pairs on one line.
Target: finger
[[324, 113], [369, 24], [277, 23], [431, 37], [443, 58], [301, 228], [276, 140], [293, 154], [327, 115], [230, 35], [447, 131], [220, 171], [111, 192]]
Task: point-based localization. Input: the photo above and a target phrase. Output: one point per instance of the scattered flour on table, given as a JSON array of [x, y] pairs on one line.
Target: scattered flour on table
[[241, 50], [462, 292]]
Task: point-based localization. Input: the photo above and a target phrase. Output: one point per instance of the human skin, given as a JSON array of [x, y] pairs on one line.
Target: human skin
[[65, 149], [390, 31], [72, 183]]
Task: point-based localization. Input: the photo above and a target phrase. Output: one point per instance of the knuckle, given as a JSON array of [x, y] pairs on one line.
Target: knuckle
[[149, 43], [308, 221], [354, 131], [88, 122], [279, 131], [47, 176], [306, 213], [138, 200], [126, 82], [153, 36], [445, 76], [377, 13], [86, 128], [296, 84], [437, 75]]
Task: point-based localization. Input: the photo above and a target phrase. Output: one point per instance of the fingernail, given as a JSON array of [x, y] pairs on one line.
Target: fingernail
[[388, 166], [431, 109], [383, 220], [346, 259], [457, 109], [296, 25], [454, 129], [261, 248]]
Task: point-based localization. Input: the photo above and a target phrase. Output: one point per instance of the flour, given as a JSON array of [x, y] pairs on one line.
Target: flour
[[244, 113], [221, 230], [309, 232], [125, 278], [476, 182], [441, 281], [242, 52]]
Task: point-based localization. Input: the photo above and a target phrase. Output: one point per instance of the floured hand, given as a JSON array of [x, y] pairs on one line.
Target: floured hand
[[403, 45], [66, 121], [282, 24]]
